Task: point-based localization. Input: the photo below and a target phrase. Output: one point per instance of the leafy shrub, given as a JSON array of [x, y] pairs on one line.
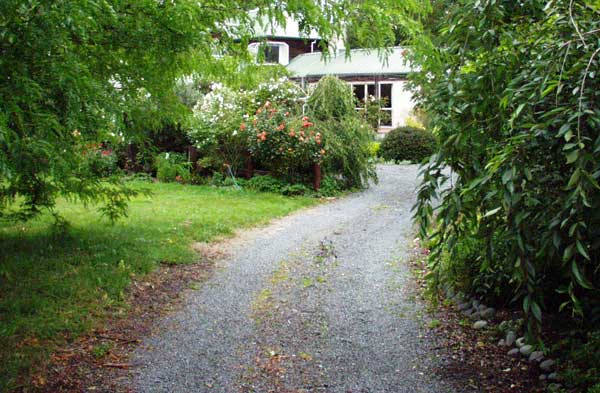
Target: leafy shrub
[[374, 149], [171, 167], [270, 184], [346, 135], [330, 186], [407, 144], [332, 99], [285, 144], [581, 369], [518, 130], [100, 160]]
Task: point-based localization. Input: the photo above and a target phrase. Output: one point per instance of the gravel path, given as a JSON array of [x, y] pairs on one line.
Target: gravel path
[[317, 301]]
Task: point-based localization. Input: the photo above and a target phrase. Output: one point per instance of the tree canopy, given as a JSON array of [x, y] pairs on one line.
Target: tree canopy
[[76, 73]]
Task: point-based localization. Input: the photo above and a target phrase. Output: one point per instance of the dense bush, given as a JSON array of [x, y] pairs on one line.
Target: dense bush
[[171, 167], [512, 91], [407, 144], [285, 144], [346, 135], [276, 186]]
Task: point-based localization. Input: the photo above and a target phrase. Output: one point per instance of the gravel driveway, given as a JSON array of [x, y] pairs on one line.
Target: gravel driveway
[[319, 301]]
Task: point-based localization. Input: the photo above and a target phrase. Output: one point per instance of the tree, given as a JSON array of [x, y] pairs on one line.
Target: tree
[[512, 90], [82, 72]]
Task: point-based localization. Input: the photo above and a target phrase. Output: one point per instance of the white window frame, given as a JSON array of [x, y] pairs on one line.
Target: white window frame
[[284, 51], [377, 95]]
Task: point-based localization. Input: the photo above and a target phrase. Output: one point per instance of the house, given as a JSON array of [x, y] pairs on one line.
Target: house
[[369, 75], [281, 43]]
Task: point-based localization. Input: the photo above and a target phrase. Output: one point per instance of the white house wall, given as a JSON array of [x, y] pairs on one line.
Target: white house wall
[[402, 103]]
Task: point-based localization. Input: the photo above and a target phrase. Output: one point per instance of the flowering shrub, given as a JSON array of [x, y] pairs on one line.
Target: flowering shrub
[[172, 167], [99, 159], [281, 91], [282, 142]]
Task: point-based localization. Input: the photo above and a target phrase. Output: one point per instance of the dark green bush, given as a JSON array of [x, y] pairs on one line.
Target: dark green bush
[[270, 184], [407, 144], [172, 167]]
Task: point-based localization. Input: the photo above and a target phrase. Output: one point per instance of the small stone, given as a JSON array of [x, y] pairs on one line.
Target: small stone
[[501, 343], [475, 303], [554, 387], [526, 350], [553, 377], [543, 377], [487, 313], [513, 352], [481, 307], [536, 356], [547, 364], [468, 312], [510, 338], [479, 325], [463, 306], [475, 316], [520, 342]]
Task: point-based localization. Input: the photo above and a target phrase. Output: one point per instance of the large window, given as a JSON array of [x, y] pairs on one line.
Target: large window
[[271, 52], [381, 93]]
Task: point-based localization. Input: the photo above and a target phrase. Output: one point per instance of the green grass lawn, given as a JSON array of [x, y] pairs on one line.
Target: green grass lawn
[[52, 286]]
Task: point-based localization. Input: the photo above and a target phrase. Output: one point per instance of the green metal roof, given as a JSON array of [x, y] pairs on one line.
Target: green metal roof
[[362, 62]]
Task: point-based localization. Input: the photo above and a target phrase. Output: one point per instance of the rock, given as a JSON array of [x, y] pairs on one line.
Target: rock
[[481, 307], [475, 316], [510, 338], [547, 365], [554, 387], [501, 343], [463, 306], [536, 356], [475, 303], [468, 312], [487, 313], [513, 352], [553, 377], [479, 325], [526, 350], [520, 342], [543, 377]]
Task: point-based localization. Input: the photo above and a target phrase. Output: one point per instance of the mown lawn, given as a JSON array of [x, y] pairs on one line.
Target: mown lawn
[[55, 286]]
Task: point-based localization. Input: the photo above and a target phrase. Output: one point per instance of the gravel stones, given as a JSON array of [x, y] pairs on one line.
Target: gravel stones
[[513, 352], [526, 350], [520, 342], [547, 365], [487, 313], [536, 356], [480, 325], [510, 338]]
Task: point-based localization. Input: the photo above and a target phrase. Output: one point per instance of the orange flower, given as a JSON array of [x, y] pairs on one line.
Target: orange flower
[[322, 152], [267, 104], [243, 126], [286, 114], [292, 133], [281, 127]]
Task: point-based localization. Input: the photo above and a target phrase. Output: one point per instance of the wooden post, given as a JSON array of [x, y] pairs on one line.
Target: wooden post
[[193, 158], [249, 165], [317, 176]]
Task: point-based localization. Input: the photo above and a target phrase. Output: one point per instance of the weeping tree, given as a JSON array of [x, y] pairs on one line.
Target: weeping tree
[[512, 89], [79, 73]]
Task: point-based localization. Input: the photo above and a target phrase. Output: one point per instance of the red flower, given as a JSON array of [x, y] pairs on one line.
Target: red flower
[[281, 127]]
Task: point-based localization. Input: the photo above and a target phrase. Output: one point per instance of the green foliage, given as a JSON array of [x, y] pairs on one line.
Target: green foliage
[[581, 370], [511, 91], [374, 148], [373, 114], [55, 286], [331, 99], [109, 68], [346, 135], [407, 144], [171, 167], [287, 145]]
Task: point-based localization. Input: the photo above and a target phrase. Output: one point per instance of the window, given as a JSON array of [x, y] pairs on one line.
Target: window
[[382, 91], [271, 52]]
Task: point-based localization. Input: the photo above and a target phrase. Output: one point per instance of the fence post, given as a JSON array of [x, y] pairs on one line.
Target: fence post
[[316, 176], [249, 165]]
